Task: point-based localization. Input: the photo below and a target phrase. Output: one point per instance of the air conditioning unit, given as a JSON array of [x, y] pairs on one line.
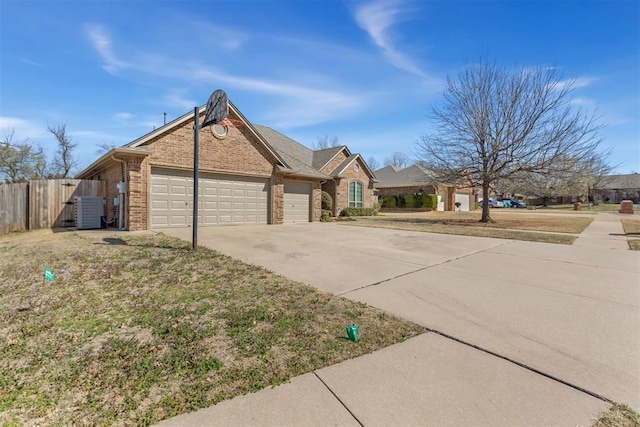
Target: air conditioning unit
[[89, 212]]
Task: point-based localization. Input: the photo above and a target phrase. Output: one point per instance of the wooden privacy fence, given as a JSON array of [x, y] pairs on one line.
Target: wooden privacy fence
[[14, 207], [46, 203]]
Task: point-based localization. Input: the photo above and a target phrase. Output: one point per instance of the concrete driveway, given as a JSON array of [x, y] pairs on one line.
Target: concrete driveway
[[571, 313]]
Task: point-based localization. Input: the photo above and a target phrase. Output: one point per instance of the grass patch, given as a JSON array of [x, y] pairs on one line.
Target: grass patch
[[632, 230], [618, 416], [521, 225], [139, 328]]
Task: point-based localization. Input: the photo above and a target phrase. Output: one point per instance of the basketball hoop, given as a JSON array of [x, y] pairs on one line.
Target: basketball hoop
[[217, 108]]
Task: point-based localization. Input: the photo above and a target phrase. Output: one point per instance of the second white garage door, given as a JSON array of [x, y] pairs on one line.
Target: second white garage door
[[463, 199], [221, 199], [297, 201]]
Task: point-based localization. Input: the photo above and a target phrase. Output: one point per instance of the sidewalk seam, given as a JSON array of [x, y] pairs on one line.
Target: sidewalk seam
[[338, 399], [423, 268], [523, 365]]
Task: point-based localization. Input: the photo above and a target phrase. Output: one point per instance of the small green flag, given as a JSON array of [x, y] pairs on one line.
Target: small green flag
[[48, 274]]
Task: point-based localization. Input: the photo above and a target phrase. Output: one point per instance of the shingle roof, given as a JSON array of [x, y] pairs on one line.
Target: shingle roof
[[297, 156], [392, 176], [322, 157], [615, 182]]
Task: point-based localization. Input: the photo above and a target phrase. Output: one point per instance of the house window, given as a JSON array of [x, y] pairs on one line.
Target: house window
[[355, 194]]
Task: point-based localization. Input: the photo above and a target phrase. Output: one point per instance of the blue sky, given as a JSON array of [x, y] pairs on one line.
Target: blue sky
[[363, 71]]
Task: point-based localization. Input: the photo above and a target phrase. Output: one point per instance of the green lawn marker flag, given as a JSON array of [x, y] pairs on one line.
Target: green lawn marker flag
[[48, 274]]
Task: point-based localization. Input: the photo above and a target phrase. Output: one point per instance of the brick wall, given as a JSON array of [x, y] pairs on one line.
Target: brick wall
[[354, 172], [330, 187], [240, 152], [334, 163], [277, 199]]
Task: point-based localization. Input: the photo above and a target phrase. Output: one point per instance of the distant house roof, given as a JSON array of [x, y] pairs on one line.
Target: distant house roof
[[416, 175], [614, 182]]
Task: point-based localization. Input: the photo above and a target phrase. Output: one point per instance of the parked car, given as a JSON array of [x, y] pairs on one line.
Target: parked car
[[513, 203], [493, 203]]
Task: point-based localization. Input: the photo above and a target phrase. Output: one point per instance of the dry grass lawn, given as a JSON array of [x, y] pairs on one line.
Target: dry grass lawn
[[618, 416], [516, 224], [632, 230], [138, 328]]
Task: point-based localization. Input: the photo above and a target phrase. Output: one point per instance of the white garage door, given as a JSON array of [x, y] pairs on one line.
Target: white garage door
[[221, 199], [463, 199], [297, 201]]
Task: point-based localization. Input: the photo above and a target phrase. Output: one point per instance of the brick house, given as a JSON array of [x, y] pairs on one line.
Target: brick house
[[393, 181], [248, 174], [616, 188]]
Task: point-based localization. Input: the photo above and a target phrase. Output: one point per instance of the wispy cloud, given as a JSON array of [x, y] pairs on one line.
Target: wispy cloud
[[576, 83], [377, 19], [176, 98], [123, 116], [23, 128], [102, 44], [294, 105], [306, 103], [29, 62]]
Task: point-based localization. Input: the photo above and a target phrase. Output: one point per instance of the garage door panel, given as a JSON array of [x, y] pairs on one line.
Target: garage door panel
[[160, 204], [178, 205], [222, 200], [297, 197]]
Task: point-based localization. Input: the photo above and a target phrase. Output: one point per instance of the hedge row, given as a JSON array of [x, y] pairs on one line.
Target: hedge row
[[358, 212], [410, 200]]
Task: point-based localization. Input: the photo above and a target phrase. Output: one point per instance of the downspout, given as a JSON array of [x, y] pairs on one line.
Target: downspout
[[121, 219]]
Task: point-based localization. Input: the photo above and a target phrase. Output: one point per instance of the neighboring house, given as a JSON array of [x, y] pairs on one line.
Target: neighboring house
[[352, 183], [616, 188], [394, 181], [248, 174]]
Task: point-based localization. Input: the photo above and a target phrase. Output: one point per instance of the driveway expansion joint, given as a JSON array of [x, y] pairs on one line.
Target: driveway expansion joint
[[338, 399], [421, 269], [523, 365]]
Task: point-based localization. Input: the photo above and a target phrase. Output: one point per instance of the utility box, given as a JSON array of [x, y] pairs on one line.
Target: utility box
[[89, 212], [626, 207]]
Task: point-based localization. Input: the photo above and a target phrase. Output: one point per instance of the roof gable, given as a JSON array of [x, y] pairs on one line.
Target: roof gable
[[322, 158], [297, 157], [350, 160]]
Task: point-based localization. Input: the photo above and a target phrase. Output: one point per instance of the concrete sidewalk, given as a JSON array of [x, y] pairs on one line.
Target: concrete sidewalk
[[428, 380], [605, 232], [570, 312]]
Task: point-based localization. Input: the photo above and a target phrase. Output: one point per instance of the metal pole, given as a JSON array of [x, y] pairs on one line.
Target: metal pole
[[196, 149]]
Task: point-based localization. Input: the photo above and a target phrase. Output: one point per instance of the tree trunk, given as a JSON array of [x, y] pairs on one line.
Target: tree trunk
[[485, 204]]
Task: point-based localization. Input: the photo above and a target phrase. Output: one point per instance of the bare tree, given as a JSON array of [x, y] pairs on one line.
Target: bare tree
[[373, 163], [20, 161], [325, 142], [105, 147], [495, 123], [398, 159], [64, 160]]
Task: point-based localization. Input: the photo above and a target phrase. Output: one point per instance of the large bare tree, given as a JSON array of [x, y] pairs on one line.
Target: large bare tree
[[64, 161], [496, 123], [20, 160]]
